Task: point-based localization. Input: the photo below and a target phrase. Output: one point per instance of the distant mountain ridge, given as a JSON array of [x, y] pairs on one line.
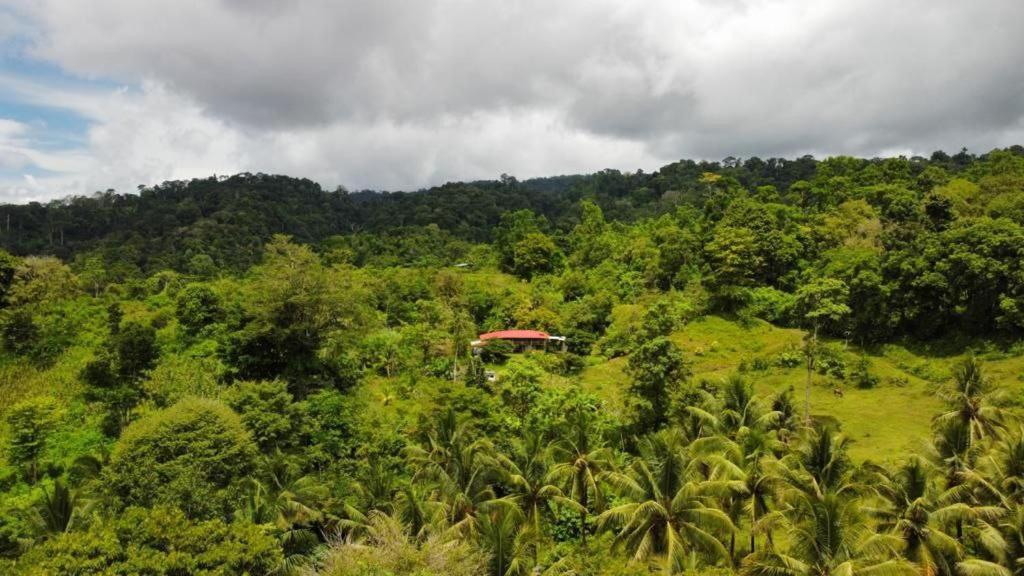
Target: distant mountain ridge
[[230, 218]]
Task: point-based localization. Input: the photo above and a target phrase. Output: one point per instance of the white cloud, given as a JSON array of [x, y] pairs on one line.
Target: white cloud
[[403, 94], [135, 137], [154, 134], [10, 128]]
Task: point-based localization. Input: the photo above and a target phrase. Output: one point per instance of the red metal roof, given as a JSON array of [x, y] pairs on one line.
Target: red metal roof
[[515, 335]]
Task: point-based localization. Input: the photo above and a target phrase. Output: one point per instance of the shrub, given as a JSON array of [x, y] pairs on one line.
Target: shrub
[[830, 362], [496, 351], [157, 541], [862, 375], [899, 381], [770, 304], [389, 550], [177, 377], [267, 411], [189, 456], [789, 359], [197, 307], [20, 332]]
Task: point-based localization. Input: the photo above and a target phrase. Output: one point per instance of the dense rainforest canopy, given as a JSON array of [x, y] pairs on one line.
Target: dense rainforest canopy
[[249, 374]]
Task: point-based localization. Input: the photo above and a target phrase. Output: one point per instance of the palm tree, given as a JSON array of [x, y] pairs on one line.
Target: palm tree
[[59, 509], [527, 472], [951, 448], [820, 464], [461, 469], [745, 423], [973, 402], [504, 531], [788, 420], [291, 502], [742, 410], [998, 528], [918, 514], [829, 537], [667, 513], [1003, 539], [1006, 465], [375, 485], [748, 462], [954, 455], [581, 464], [416, 508], [700, 420], [298, 499]]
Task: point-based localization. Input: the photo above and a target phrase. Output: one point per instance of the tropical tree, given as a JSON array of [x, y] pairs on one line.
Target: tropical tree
[[973, 402], [293, 502], [535, 254], [192, 456], [418, 511], [999, 520], [1005, 465], [951, 450], [375, 484], [788, 420], [29, 424], [738, 412], [918, 513], [667, 514], [748, 460], [657, 369], [1003, 539], [528, 480], [506, 534], [461, 469], [582, 462], [60, 509], [820, 465], [820, 302], [829, 536]]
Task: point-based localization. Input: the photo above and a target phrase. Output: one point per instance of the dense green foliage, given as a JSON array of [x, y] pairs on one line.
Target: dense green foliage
[[251, 375]]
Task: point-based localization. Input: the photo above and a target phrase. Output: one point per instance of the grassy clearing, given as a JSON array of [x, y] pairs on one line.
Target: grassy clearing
[[885, 422]]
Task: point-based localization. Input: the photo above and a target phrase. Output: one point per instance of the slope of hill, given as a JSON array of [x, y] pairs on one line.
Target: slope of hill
[[191, 384]]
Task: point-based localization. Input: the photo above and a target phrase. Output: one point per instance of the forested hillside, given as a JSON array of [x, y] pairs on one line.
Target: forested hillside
[[772, 368]]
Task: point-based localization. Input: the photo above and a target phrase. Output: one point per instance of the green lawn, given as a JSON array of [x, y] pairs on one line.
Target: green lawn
[[886, 422]]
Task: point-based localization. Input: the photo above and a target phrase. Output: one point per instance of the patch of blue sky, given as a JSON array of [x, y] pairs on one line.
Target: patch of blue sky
[[20, 173], [49, 125], [15, 62], [48, 128]]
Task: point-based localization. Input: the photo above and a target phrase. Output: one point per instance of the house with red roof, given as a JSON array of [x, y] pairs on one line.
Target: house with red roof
[[521, 339]]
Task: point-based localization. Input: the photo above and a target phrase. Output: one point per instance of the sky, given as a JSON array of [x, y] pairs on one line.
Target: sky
[[400, 95]]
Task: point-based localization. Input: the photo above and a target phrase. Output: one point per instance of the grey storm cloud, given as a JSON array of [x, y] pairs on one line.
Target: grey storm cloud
[[416, 83]]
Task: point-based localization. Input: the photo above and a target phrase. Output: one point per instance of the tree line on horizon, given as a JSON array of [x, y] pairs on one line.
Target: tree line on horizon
[[230, 217]]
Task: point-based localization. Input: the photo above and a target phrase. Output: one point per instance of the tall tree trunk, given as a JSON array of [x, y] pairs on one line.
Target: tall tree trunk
[[812, 343], [583, 513], [753, 522]]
